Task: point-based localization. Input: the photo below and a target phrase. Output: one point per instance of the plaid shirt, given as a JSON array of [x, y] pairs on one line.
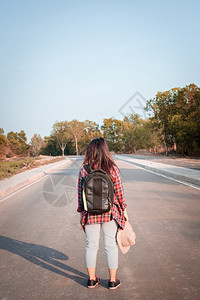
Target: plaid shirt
[[118, 206]]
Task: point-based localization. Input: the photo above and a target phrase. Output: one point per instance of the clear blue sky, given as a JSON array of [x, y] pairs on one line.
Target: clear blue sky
[[63, 60]]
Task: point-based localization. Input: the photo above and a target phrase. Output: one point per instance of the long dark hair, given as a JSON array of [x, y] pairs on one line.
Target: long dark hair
[[98, 156]]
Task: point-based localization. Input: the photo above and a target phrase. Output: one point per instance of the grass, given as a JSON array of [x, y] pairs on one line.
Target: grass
[[10, 168]]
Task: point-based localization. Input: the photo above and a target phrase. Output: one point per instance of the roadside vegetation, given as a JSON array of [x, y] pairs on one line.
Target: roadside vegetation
[[173, 127], [9, 168]]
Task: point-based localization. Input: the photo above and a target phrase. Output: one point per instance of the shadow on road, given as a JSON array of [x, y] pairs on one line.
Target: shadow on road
[[42, 256]]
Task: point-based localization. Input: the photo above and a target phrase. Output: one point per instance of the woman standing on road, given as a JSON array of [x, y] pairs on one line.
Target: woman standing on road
[[98, 156]]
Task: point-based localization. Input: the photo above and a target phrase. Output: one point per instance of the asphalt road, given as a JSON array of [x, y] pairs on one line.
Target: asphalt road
[[42, 244]]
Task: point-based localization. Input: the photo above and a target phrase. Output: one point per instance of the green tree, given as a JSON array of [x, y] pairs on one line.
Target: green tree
[[61, 134], [18, 142], [76, 131], [3, 142], [186, 120], [91, 131], [138, 134], [51, 146], [113, 134], [73, 136], [163, 107], [3, 139], [130, 122], [36, 144], [177, 114]]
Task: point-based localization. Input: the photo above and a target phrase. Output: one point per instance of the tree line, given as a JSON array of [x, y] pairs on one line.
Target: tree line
[[176, 115], [173, 125]]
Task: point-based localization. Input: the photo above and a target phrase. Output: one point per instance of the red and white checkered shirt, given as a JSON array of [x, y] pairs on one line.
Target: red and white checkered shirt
[[118, 206]]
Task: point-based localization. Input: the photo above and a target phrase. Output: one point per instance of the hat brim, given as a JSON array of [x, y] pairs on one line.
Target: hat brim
[[124, 249]]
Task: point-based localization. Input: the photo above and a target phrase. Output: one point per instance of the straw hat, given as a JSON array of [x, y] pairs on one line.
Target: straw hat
[[126, 238]]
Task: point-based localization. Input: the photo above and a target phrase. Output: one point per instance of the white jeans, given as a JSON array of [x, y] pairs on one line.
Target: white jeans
[[110, 244]]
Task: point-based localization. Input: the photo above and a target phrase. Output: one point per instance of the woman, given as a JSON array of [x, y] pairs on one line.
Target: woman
[[98, 156]]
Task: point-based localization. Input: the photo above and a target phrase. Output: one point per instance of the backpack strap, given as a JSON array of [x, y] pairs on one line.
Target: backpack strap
[[87, 168]]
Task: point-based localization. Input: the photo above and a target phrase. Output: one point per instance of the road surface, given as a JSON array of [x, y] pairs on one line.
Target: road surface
[[42, 244]]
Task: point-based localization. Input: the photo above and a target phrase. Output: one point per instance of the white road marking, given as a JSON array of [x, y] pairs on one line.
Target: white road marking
[[170, 178]]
